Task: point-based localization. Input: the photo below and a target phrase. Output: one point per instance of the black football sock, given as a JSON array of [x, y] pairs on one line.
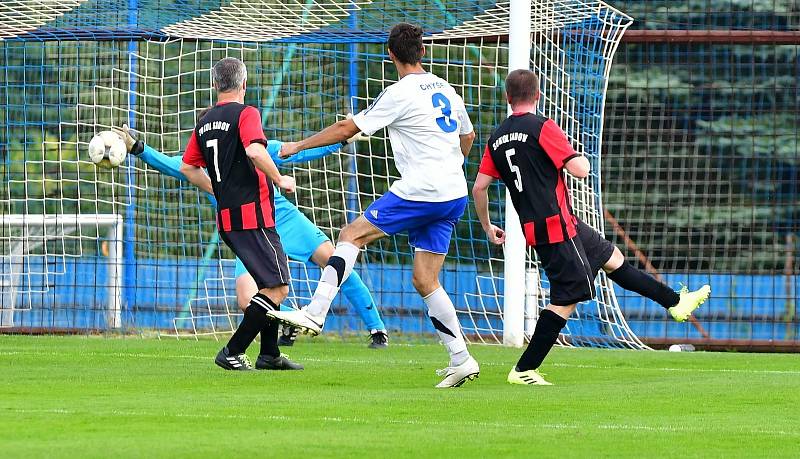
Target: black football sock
[[255, 318], [269, 339], [544, 336], [630, 278]]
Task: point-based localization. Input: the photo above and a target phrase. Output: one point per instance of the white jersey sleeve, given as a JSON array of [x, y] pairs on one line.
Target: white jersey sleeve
[[383, 111], [466, 123]]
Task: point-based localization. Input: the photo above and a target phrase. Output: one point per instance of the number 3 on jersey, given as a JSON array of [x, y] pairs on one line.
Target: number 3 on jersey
[[517, 181], [445, 122], [213, 144]]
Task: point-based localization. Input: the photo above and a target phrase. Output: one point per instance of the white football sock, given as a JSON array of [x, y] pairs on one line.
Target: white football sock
[[339, 267], [443, 316]]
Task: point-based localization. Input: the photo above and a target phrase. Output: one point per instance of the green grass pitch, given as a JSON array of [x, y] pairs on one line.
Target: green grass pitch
[[112, 397]]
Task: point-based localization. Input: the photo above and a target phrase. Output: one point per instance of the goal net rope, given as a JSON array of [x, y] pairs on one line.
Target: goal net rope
[[309, 64]]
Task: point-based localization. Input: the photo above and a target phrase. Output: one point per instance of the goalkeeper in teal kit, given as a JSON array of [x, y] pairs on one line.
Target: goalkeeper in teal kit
[[301, 239]]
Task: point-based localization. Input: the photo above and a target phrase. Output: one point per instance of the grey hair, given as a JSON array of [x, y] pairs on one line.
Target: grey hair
[[229, 74]]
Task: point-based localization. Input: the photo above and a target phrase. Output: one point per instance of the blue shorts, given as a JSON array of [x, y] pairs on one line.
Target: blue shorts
[[429, 224], [299, 236]]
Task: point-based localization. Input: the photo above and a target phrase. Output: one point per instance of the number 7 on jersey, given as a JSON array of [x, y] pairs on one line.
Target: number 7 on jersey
[[213, 144]]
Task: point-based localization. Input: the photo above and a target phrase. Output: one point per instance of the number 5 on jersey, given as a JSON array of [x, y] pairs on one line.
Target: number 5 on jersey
[[517, 181], [213, 144]]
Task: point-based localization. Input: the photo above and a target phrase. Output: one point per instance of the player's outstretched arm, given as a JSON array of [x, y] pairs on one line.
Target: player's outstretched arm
[[303, 156], [167, 165], [336, 133], [171, 165], [480, 193]]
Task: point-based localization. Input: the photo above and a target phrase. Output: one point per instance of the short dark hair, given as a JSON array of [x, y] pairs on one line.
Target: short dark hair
[[405, 42], [522, 86]]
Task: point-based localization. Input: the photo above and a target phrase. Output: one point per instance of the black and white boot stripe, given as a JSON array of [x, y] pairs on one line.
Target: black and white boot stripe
[[227, 361]]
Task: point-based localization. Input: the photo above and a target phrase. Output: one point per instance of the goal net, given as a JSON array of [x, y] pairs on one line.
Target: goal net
[[42, 261], [81, 68]]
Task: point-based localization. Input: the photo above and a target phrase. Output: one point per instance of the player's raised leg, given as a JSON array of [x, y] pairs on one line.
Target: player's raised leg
[[359, 296], [601, 253], [680, 305], [353, 236]]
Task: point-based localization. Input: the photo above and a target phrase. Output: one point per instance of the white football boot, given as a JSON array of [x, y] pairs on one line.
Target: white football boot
[[299, 318], [458, 375]]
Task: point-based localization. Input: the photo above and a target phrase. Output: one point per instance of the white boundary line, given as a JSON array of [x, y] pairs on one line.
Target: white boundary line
[[416, 362], [438, 423]]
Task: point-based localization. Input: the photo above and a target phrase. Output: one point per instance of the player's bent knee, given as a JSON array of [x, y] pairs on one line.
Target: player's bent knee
[[423, 285], [245, 289], [322, 254], [360, 232], [563, 311], [276, 294], [243, 299]]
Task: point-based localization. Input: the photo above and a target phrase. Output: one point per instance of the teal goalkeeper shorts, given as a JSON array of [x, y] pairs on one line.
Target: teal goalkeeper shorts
[[299, 236]]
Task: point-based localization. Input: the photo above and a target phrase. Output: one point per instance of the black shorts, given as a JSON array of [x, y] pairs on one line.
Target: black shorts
[[598, 249], [568, 271], [261, 253]]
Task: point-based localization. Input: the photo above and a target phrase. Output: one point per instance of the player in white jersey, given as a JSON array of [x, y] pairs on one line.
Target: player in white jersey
[[431, 134]]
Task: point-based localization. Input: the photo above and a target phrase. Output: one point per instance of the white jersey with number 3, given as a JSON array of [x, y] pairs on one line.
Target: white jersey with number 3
[[424, 117]]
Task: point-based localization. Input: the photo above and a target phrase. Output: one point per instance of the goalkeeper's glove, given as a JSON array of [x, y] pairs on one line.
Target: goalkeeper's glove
[[134, 147], [358, 136]]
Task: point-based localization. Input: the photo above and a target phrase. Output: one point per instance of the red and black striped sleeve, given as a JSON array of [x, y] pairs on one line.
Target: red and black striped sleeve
[[193, 155], [487, 165], [555, 144], [250, 129]]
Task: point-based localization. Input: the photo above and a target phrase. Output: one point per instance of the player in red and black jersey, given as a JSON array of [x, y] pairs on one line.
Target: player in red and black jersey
[[529, 153], [229, 142]]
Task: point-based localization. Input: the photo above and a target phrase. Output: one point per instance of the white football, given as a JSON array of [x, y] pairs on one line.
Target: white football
[[107, 149]]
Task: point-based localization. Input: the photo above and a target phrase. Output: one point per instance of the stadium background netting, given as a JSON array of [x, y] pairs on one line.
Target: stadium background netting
[[701, 164], [699, 156]]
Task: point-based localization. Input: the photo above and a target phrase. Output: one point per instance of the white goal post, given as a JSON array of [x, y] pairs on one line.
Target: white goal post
[[532, 44], [24, 234], [519, 57]]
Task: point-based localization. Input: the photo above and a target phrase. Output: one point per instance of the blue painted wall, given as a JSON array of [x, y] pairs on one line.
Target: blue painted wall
[[742, 306]]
